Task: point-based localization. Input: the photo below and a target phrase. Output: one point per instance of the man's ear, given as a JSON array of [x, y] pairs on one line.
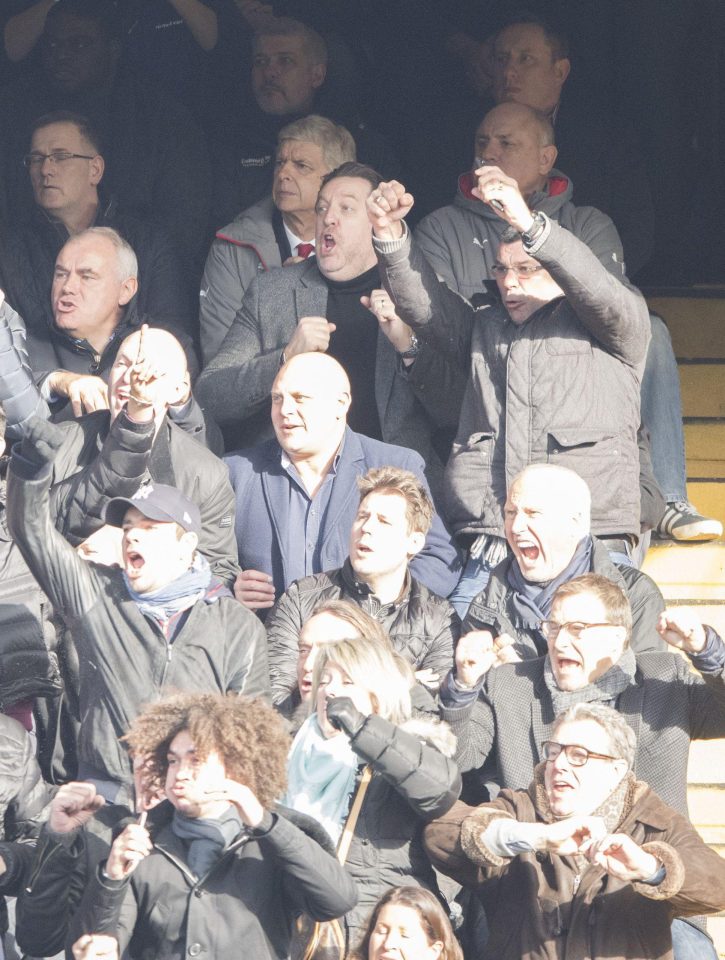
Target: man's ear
[[562, 68], [97, 166], [319, 72], [547, 158], [190, 539], [128, 288], [344, 400], [416, 542]]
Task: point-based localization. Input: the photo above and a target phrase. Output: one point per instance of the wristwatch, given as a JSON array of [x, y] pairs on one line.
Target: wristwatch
[[413, 350], [536, 228]]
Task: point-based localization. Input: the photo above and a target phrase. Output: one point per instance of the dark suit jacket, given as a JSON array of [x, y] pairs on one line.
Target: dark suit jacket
[[235, 386], [261, 487]]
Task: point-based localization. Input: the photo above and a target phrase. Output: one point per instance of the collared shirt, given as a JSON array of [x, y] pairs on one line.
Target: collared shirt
[[294, 240], [306, 520]]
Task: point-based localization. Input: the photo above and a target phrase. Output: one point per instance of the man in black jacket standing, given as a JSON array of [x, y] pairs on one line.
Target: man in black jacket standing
[[163, 619]]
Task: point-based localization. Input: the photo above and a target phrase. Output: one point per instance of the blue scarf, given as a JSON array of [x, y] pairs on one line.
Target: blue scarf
[[321, 776], [207, 839], [180, 594], [532, 601]]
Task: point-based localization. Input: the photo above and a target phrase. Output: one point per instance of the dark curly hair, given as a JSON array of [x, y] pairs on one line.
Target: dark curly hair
[[250, 738]]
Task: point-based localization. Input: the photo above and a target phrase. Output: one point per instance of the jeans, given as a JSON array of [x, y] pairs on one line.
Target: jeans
[[690, 943], [662, 413], [474, 579]]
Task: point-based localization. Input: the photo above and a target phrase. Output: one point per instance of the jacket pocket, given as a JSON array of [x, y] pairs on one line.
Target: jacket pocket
[[596, 455], [468, 489]]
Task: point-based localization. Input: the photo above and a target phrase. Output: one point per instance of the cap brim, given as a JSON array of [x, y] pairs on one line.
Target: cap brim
[[116, 509]]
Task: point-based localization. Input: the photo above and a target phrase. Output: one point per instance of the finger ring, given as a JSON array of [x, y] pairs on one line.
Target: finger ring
[[380, 198]]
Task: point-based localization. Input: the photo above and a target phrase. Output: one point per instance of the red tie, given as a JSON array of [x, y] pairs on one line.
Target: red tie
[[305, 249]]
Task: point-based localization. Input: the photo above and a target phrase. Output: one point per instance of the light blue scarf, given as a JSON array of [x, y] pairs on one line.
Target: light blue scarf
[[321, 776], [180, 594]]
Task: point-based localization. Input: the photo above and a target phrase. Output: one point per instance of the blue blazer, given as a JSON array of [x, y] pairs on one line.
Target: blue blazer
[[261, 488]]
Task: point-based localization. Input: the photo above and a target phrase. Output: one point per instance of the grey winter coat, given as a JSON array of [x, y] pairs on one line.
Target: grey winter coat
[[126, 661], [245, 247], [461, 241], [423, 627], [494, 606], [561, 388]]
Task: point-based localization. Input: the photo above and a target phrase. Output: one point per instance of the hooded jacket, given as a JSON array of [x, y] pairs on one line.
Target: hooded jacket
[[461, 241]]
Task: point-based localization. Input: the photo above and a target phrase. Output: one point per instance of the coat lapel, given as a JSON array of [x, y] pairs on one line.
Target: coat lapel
[[310, 294], [629, 704], [275, 488], [344, 487]]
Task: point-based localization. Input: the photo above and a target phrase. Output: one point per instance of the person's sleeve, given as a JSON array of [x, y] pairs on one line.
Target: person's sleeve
[[438, 565], [221, 296], [167, 293], [315, 882], [429, 306], [647, 604], [428, 780], [706, 689], [614, 312], [432, 241], [69, 582], [598, 232], [472, 721], [31, 795], [283, 627], [201, 426], [19, 394], [439, 655], [250, 675], [108, 906], [218, 523], [53, 890], [451, 842], [240, 370], [117, 471]]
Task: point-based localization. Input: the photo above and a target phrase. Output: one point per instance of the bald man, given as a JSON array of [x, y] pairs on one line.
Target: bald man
[[547, 527], [297, 495], [118, 449], [461, 240]]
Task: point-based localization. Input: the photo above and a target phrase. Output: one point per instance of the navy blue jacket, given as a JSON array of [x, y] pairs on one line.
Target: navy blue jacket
[[261, 488]]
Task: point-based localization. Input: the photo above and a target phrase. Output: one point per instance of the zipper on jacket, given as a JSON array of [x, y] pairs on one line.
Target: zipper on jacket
[[41, 861], [575, 883], [166, 664]]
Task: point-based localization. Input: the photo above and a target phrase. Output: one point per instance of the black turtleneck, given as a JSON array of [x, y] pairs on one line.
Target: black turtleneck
[[354, 344]]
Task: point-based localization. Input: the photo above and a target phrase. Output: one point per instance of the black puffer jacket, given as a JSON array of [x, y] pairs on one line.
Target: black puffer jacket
[[494, 606], [413, 782], [125, 659], [423, 627]]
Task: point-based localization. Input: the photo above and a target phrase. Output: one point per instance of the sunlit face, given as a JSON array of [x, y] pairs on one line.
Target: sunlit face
[[334, 682], [524, 69], [343, 235], [542, 527], [76, 55], [399, 935], [578, 662], [380, 541], [298, 171], [192, 781], [523, 295], [69, 185], [284, 78], [153, 552], [579, 791], [307, 415], [87, 293], [511, 141], [320, 628], [169, 360]]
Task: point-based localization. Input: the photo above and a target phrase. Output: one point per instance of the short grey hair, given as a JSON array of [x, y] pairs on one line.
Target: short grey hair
[[125, 256], [334, 140], [622, 739], [315, 45]]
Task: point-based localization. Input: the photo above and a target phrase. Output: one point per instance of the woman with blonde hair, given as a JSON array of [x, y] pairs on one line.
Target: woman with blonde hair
[[363, 750]]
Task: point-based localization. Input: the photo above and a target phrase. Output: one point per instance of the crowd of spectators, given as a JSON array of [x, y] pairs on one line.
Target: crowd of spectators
[[326, 491]]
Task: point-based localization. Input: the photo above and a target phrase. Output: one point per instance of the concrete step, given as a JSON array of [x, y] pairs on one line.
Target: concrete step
[[704, 440], [709, 497], [696, 325], [703, 389], [707, 767], [688, 572], [707, 809]]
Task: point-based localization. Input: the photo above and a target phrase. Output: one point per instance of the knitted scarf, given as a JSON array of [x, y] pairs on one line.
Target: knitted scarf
[[604, 689], [532, 601], [180, 594], [207, 839], [321, 776]]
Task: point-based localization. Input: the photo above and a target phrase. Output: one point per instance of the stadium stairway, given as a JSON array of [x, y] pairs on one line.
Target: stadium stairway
[[694, 574]]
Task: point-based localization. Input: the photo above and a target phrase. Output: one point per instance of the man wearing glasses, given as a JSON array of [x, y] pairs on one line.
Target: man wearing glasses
[[589, 859], [65, 167]]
